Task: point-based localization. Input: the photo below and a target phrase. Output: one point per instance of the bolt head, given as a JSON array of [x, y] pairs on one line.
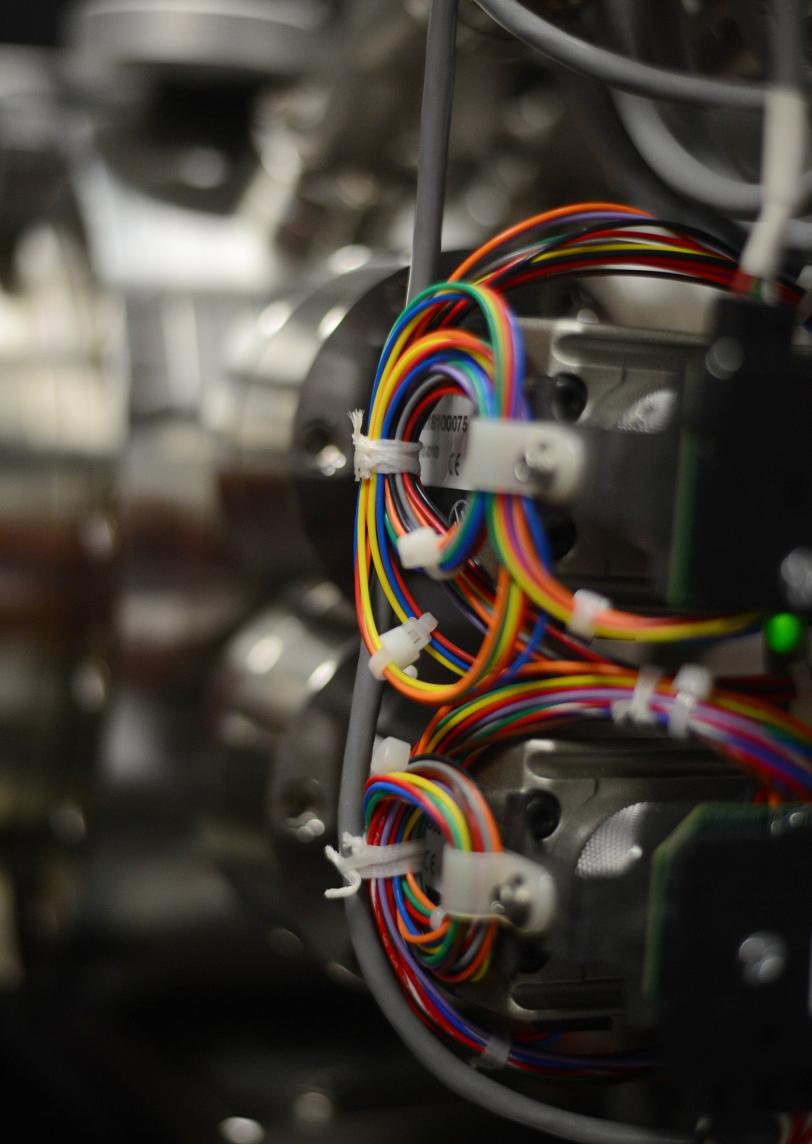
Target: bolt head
[[763, 958], [796, 574]]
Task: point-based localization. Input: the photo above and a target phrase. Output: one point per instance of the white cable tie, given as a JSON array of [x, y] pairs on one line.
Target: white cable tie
[[390, 755], [401, 646], [495, 1055], [586, 610], [360, 861], [381, 455], [637, 709], [692, 684]]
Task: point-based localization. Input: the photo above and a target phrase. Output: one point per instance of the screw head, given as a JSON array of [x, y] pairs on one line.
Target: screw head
[[513, 898], [724, 358], [763, 957], [796, 573]]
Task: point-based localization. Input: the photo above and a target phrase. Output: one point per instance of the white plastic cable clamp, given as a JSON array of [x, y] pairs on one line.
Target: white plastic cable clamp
[[586, 608], [637, 709], [692, 684], [471, 883], [505, 456], [495, 1055], [390, 755], [361, 861], [401, 646], [381, 455], [421, 548]]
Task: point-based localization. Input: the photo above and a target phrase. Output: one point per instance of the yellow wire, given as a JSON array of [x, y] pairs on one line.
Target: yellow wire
[[521, 690], [439, 793], [620, 247]]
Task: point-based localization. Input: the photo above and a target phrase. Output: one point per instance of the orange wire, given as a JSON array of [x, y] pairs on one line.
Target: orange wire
[[471, 970], [422, 938], [466, 683], [537, 220]]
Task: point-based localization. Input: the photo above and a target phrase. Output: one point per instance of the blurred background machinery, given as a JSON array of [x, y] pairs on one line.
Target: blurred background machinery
[[199, 202], [205, 211]]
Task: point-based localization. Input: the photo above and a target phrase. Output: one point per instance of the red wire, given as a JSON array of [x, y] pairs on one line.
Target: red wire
[[430, 399]]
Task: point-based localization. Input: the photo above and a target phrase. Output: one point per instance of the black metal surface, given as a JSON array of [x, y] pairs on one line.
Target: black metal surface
[[740, 1044], [744, 487]]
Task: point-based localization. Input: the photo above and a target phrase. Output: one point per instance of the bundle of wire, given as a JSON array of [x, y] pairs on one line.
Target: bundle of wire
[[530, 674], [772, 745], [428, 356], [427, 948]]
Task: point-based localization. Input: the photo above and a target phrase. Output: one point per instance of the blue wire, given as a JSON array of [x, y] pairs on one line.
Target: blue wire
[[537, 531], [533, 644]]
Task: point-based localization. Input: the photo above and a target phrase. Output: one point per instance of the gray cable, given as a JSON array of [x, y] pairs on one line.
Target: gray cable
[[432, 162], [623, 165], [787, 65], [680, 168], [623, 72]]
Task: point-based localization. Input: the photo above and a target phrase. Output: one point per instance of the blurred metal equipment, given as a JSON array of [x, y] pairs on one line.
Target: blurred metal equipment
[[63, 425], [281, 419], [205, 213], [280, 703], [245, 37]]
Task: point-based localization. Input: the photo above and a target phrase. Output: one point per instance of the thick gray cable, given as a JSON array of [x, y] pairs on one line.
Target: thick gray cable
[[680, 168], [432, 163], [787, 63], [623, 72]]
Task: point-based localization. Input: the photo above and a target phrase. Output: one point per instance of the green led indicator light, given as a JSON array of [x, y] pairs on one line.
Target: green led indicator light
[[784, 633]]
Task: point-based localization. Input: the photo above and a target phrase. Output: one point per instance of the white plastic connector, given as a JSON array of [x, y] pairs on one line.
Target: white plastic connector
[[421, 549], [495, 1055], [390, 755], [586, 610], [692, 684], [360, 861], [402, 645], [437, 917], [381, 455], [472, 883], [637, 710]]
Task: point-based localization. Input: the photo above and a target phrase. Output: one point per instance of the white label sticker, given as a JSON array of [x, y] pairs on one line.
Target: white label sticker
[[443, 439]]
